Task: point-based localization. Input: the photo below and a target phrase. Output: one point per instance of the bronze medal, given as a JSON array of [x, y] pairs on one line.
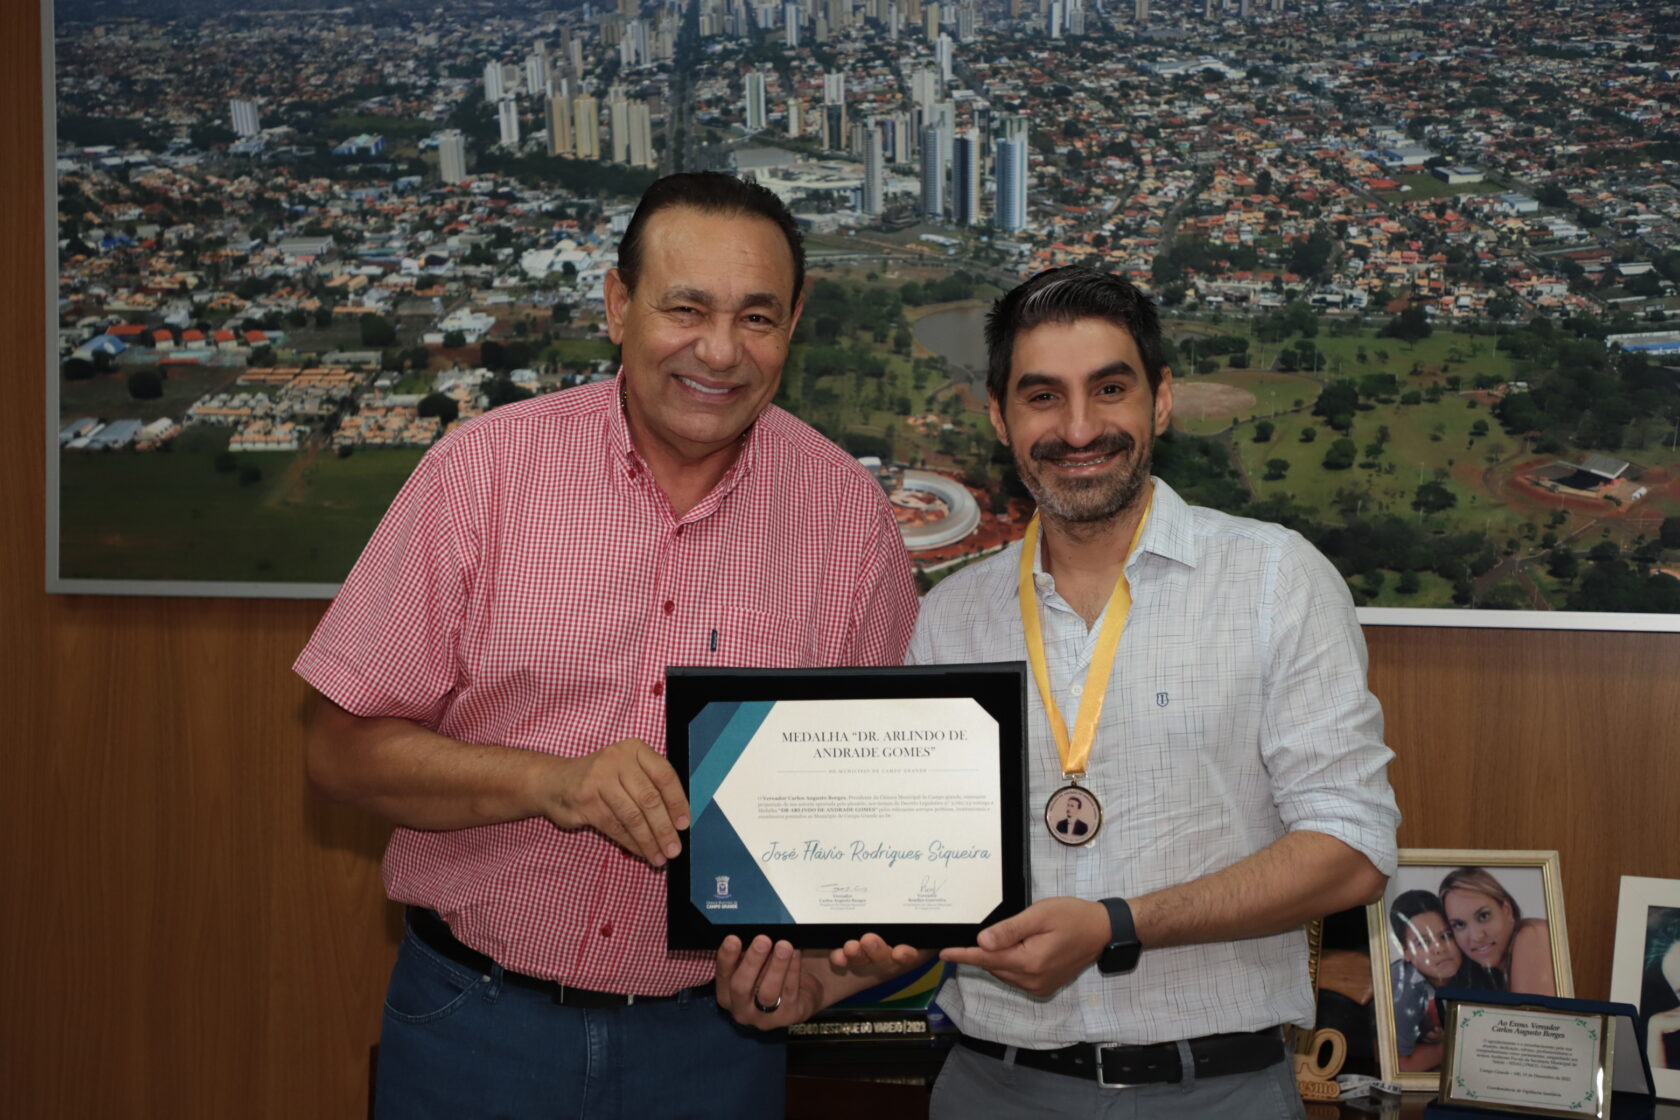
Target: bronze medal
[[1073, 815]]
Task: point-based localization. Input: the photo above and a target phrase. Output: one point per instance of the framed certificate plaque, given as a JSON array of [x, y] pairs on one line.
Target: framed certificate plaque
[[829, 803]]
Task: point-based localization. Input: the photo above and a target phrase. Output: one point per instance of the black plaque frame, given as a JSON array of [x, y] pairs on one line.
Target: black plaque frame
[[1000, 688]]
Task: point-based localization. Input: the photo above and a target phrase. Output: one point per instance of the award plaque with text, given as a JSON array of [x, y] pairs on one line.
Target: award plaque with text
[[829, 803], [1515, 1054]]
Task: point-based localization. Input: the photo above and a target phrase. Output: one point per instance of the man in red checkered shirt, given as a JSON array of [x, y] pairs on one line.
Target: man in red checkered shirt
[[491, 680]]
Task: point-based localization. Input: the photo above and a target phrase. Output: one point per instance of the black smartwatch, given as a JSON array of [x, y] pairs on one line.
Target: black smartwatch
[[1121, 953]]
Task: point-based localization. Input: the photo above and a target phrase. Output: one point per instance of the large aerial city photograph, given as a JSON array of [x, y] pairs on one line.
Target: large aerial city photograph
[[1418, 264]]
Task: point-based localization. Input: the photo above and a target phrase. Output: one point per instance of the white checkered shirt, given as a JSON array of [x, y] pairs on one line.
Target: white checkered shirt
[[528, 588], [1237, 711]]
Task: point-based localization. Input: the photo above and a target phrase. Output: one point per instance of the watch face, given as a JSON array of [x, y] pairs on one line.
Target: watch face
[[1122, 953], [1119, 958]]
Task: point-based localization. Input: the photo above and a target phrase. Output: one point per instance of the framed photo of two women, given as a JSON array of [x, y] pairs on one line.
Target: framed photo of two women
[[1460, 919]]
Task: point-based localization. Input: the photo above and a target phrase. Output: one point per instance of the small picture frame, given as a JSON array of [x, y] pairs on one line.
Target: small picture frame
[[1646, 972], [1527, 1056], [1477, 920]]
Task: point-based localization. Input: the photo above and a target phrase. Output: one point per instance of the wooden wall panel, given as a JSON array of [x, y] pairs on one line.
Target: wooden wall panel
[[189, 934], [1540, 739]]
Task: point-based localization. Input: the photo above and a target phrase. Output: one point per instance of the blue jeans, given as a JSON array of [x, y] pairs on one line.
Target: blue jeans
[[460, 1045]]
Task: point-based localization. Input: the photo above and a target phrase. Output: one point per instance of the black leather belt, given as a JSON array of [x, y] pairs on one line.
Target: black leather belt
[[1216, 1055], [434, 932]]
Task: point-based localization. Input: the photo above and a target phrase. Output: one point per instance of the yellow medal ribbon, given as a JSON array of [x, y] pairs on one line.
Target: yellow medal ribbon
[[1077, 752]]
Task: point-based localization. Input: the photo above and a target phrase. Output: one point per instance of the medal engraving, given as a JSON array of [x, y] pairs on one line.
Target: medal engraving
[[1073, 815]]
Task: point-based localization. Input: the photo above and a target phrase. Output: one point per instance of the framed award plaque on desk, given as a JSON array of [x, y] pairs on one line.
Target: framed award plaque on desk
[[829, 803]]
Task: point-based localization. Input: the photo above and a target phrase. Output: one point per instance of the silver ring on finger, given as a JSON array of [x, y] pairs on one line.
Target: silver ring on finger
[[766, 1010]]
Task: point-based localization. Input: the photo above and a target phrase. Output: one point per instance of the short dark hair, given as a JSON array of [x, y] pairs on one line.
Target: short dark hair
[[711, 192], [1408, 906], [1066, 295]]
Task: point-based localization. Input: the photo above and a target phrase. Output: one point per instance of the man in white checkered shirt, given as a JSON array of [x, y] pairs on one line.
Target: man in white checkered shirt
[[1238, 759]]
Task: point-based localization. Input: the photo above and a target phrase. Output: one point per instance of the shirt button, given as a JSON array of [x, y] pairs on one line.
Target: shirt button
[[606, 930], [659, 689], [669, 606], [1076, 689], [632, 472]]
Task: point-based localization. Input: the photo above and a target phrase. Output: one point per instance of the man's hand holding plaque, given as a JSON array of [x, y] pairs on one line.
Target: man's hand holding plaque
[[770, 985]]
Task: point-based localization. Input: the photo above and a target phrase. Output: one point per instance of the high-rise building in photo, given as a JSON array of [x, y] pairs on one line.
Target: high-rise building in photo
[[965, 180], [244, 113], [790, 24], [537, 73], [793, 118], [925, 87], [834, 127], [452, 155], [494, 89], [1140, 11], [1011, 211], [874, 172], [558, 111], [641, 135], [586, 127], [618, 124], [757, 109], [507, 117], [933, 172]]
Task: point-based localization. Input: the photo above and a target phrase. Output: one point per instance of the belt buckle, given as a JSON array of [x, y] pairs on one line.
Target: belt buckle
[[1101, 1080]]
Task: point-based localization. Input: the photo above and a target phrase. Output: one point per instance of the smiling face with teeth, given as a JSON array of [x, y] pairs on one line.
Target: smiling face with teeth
[[1080, 418], [704, 335]]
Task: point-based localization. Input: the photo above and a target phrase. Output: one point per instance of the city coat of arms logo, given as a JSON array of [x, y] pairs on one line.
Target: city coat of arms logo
[[723, 886]]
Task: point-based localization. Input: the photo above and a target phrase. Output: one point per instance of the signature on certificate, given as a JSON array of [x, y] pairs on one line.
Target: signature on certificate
[[931, 888], [842, 896]]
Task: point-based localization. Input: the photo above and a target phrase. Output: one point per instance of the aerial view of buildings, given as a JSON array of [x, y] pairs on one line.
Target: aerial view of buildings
[[1419, 262]]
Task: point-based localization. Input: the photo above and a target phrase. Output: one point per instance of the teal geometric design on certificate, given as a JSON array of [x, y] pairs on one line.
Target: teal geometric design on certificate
[[725, 883], [705, 727], [716, 738]]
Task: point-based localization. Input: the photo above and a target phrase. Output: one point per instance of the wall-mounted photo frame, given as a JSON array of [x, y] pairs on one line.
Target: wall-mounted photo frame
[[1468, 919], [1646, 972], [268, 298]]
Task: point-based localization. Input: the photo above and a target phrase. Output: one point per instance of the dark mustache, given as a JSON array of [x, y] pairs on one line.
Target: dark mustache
[[1111, 443]]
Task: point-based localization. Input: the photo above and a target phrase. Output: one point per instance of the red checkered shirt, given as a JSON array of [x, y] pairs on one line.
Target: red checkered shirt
[[529, 586]]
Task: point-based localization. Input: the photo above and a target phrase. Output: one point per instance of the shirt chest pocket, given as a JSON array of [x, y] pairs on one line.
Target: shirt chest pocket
[[1174, 718], [747, 638]]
